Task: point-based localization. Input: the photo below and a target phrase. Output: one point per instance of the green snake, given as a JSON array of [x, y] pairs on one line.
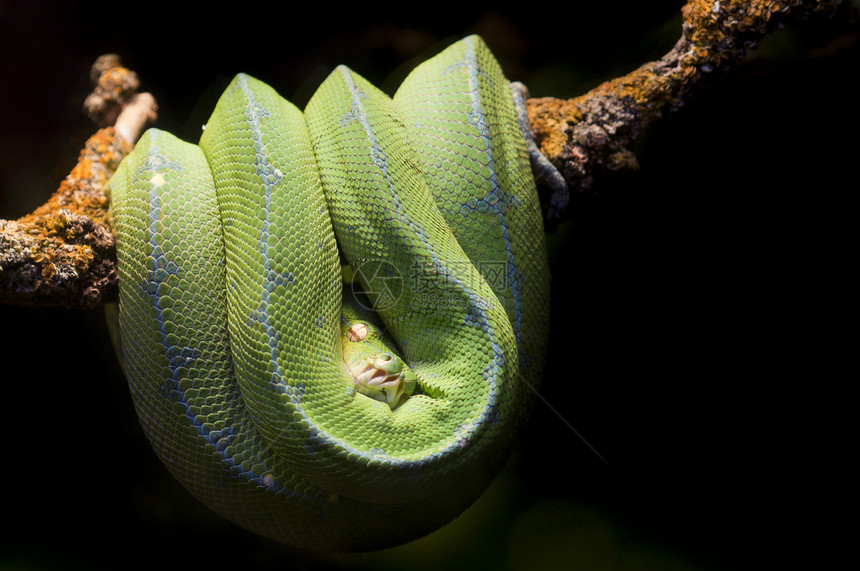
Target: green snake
[[248, 266]]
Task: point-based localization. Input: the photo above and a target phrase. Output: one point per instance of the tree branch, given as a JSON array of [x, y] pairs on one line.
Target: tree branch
[[63, 254], [591, 135]]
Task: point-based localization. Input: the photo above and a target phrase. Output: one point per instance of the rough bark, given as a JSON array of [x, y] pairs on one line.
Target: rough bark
[[63, 254], [592, 134]]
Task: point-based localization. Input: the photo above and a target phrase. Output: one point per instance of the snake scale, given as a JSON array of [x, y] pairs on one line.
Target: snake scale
[[248, 265]]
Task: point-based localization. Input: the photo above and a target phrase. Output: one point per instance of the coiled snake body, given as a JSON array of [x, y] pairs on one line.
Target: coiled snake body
[[274, 403]]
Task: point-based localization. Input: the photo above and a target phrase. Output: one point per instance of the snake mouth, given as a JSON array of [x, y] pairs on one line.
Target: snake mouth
[[370, 375], [383, 377]]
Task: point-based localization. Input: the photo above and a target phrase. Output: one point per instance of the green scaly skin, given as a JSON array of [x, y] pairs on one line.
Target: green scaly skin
[[232, 334]]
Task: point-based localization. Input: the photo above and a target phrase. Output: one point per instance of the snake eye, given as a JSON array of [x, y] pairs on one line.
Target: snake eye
[[356, 332]]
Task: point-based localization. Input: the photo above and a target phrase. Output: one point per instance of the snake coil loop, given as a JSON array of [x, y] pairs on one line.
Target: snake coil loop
[[231, 320]]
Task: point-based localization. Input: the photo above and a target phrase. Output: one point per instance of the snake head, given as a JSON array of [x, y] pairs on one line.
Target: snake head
[[378, 374], [384, 378]]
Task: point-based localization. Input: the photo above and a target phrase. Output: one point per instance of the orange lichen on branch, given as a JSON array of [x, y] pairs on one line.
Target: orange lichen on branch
[[82, 190], [64, 253], [114, 86], [63, 249], [592, 133]]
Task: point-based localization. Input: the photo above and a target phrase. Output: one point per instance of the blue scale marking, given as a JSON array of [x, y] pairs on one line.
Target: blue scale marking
[[357, 113], [161, 269], [271, 177], [478, 317], [497, 200]]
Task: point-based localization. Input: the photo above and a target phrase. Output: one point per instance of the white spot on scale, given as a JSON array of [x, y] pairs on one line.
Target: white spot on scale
[[157, 180]]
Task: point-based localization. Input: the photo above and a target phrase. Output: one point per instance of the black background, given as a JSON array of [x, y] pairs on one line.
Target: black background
[[700, 307]]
